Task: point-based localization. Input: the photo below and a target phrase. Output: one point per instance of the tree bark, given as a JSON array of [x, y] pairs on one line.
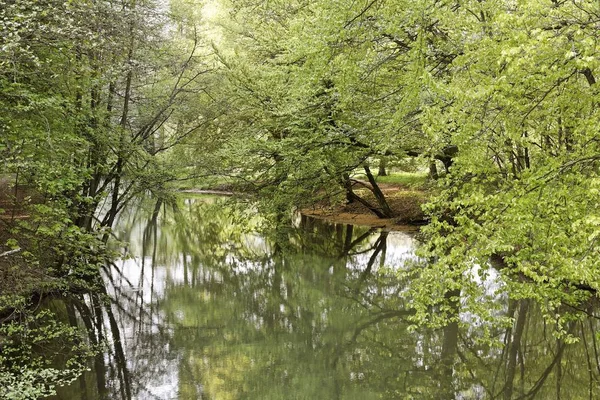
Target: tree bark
[[433, 172], [379, 196], [382, 167]]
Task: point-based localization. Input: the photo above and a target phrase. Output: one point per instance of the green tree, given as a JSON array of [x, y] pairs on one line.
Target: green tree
[[522, 186], [93, 99], [318, 90]]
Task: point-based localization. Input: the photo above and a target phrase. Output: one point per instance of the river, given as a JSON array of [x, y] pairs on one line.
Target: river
[[206, 308]]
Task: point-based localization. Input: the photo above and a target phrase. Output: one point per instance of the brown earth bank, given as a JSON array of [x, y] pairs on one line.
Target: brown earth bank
[[15, 199], [404, 201]]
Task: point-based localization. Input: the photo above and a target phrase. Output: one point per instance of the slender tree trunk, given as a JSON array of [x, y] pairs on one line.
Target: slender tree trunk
[[115, 200], [433, 172], [379, 196], [351, 197], [382, 167]]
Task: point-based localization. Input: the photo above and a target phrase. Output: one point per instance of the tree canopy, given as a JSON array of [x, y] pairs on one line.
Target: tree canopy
[[294, 102], [503, 93]]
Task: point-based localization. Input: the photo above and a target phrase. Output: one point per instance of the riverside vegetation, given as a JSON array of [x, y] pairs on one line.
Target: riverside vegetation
[[292, 104]]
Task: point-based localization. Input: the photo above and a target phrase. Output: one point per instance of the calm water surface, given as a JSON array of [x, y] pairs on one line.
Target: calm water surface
[[207, 309]]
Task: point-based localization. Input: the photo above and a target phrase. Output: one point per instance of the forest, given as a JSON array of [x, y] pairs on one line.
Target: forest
[[296, 105]]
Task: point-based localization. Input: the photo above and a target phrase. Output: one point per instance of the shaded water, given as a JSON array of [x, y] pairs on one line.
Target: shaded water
[[206, 309]]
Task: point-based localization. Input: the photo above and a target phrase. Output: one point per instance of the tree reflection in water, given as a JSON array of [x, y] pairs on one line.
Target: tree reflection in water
[[207, 309]]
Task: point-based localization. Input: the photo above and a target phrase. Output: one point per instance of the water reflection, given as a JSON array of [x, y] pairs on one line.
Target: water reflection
[[207, 309]]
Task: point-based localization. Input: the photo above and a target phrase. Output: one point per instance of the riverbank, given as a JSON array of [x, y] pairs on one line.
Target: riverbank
[[405, 202], [405, 193]]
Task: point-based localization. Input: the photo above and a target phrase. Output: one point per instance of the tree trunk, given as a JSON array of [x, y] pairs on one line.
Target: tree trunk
[[433, 172], [351, 197], [383, 204], [382, 166]]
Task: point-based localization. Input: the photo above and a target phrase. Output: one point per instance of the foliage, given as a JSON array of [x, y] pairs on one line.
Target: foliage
[[503, 93], [93, 98], [522, 183], [311, 101], [25, 370], [104, 102]]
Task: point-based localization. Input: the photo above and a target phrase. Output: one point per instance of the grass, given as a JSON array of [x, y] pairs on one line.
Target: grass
[[411, 179]]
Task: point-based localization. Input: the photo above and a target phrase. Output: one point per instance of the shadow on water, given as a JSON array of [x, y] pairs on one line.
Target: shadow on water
[[207, 309]]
